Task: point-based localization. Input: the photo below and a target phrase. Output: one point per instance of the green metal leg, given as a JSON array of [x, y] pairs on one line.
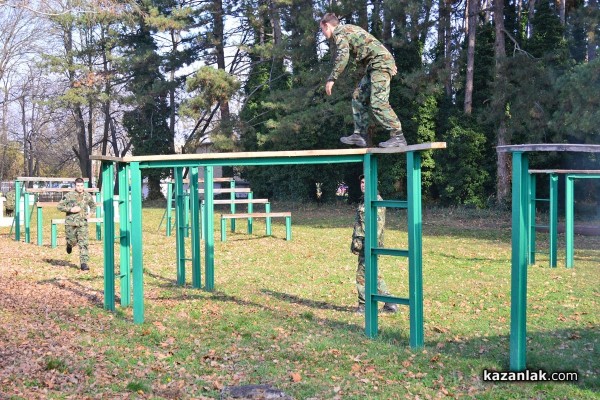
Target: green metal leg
[[137, 243], [27, 218], [180, 225], [569, 219], [40, 240], [17, 212], [250, 210], [202, 221], [371, 311], [288, 228], [124, 236], [187, 213], [99, 215], [518, 308], [196, 229], [169, 207], [53, 234], [232, 187], [209, 242], [223, 230], [415, 249], [553, 223], [531, 219], [109, 234]]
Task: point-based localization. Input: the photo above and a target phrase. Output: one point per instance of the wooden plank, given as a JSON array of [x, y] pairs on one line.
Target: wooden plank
[[60, 190], [564, 171], [579, 148], [276, 154], [256, 215], [44, 179]]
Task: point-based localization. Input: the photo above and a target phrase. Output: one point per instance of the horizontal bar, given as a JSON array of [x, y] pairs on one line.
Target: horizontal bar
[[542, 199], [391, 299], [391, 203], [390, 252], [252, 162]]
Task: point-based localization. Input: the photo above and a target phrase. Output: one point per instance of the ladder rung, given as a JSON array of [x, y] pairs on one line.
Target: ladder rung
[[186, 259], [391, 299], [390, 203], [540, 226], [541, 199], [390, 252]]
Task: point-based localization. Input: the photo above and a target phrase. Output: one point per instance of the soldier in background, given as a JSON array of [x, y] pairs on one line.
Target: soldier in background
[[78, 205], [373, 88], [358, 247]]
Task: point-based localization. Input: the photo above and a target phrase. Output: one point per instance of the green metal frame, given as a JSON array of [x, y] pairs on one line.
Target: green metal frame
[[552, 218], [133, 231]]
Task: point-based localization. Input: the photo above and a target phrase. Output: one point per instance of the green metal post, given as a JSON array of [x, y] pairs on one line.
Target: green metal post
[[169, 206], [17, 212], [99, 215], [371, 311], [27, 217], [223, 229], [186, 203], [569, 219], [40, 240], [288, 228], [202, 221], [109, 234], [196, 228], [250, 210], [180, 226], [124, 235], [553, 223], [53, 235], [531, 220], [518, 308], [209, 240], [415, 248], [232, 187], [137, 243]]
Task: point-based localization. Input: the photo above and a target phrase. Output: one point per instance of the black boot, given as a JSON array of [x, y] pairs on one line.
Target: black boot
[[84, 267], [390, 308], [69, 248], [397, 140]]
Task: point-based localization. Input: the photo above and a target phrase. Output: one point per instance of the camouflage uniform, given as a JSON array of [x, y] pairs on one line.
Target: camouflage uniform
[[374, 87], [9, 204], [358, 244], [76, 225]]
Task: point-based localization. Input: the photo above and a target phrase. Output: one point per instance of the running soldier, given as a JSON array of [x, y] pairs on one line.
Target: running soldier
[[76, 205]]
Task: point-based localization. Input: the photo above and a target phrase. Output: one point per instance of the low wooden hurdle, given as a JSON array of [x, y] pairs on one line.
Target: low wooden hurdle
[[131, 243], [520, 246]]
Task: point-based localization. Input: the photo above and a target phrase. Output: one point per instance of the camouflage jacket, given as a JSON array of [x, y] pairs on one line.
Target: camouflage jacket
[[72, 199], [359, 222], [367, 50]]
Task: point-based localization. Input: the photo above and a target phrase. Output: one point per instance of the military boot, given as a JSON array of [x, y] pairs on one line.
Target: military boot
[[354, 139], [84, 267], [397, 140], [360, 309], [390, 308], [69, 248]]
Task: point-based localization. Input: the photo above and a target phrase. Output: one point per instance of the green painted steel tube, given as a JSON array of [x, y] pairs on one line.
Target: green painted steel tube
[[124, 235], [196, 228], [569, 219], [109, 234], [415, 248], [40, 240], [99, 215], [169, 207], [209, 241], [186, 203], [232, 206], [137, 250], [17, 212], [53, 235], [531, 221], [518, 308], [371, 311], [288, 228], [223, 230], [180, 226], [202, 221], [250, 210], [553, 220], [26, 217]]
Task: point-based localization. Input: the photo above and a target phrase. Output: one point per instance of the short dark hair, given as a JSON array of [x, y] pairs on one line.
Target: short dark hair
[[79, 180], [330, 19]]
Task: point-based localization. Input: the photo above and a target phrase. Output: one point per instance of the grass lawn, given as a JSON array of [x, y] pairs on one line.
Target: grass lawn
[[283, 314]]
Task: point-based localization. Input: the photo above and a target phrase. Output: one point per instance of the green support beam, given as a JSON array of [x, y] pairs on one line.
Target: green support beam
[[124, 235], [137, 243], [109, 234], [196, 229]]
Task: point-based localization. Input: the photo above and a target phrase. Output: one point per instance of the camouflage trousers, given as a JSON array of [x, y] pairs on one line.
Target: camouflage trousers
[[360, 281], [374, 89], [78, 236]]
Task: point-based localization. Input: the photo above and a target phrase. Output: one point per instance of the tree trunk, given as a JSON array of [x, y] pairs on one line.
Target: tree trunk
[[592, 40], [530, 13], [499, 105], [472, 10], [219, 35]]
